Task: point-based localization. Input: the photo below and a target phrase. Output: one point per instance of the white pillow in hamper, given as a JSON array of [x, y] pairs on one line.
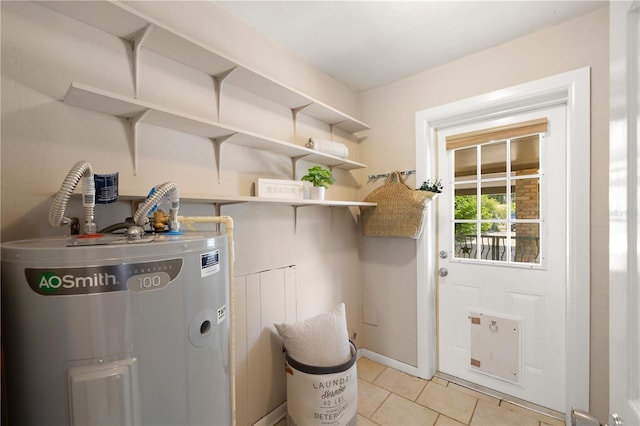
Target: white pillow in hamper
[[320, 341]]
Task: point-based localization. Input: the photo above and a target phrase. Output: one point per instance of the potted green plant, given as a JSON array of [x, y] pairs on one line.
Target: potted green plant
[[429, 185], [321, 179]]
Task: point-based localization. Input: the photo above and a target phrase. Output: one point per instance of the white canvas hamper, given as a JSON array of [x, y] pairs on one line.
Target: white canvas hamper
[[322, 395]]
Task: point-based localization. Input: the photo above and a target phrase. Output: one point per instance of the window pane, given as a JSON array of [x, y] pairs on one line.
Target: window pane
[[465, 206], [525, 155], [526, 243], [493, 204], [465, 241], [527, 198], [493, 159], [466, 164], [493, 241]]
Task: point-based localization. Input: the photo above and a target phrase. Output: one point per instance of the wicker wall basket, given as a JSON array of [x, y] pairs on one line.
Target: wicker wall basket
[[400, 211]]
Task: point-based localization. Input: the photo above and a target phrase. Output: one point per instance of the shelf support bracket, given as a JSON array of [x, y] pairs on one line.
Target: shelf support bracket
[[217, 149], [332, 127], [217, 82], [133, 126], [295, 214], [294, 163], [294, 113], [136, 43], [360, 138]]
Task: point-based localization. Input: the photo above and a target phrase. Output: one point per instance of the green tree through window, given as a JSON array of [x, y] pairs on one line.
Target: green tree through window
[[492, 207]]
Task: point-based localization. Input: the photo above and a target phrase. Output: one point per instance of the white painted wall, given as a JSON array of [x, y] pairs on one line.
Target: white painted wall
[[389, 282]]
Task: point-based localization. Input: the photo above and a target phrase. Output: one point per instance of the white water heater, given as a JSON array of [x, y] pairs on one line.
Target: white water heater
[[117, 333]]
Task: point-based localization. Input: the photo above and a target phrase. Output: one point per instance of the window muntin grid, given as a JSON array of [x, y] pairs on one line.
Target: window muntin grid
[[497, 202]]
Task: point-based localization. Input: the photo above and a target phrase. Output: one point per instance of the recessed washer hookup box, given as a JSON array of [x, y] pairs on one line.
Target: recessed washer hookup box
[[279, 188]]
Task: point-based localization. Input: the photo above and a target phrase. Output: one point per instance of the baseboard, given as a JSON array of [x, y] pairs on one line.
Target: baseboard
[[274, 416], [389, 362]]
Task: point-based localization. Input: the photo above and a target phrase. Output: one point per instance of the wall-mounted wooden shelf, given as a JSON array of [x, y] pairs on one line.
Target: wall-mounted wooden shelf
[[238, 199], [217, 201], [137, 111], [143, 31]]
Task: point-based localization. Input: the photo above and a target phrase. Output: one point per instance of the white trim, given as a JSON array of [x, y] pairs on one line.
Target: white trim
[[427, 327], [389, 362], [572, 89], [624, 206], [274, 416]]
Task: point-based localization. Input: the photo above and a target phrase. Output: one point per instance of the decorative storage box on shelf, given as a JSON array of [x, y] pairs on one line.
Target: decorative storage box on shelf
[[279, 188]]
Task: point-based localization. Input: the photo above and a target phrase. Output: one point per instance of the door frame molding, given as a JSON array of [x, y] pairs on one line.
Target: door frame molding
[[573, 90], [624, 233]]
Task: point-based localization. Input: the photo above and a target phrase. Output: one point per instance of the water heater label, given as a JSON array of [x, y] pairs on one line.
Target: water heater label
[[209, 263], [222, 313], [102, 279]]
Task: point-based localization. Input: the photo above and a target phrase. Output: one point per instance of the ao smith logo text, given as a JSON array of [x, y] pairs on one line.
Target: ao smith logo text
[[48, 281], [101, 279]]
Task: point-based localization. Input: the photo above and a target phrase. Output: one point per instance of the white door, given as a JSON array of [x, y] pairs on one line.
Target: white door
[[502, 243], [624, 261]]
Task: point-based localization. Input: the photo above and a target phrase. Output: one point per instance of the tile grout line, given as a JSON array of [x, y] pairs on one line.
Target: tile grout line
[[379, 374], [475, 407], [436, 420], [426, 382], [381, 404]]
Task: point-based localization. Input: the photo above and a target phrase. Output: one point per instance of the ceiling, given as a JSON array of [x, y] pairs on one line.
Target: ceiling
[[368, 44]]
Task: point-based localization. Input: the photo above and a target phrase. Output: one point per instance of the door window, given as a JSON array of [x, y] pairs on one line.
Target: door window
[[497, 201]]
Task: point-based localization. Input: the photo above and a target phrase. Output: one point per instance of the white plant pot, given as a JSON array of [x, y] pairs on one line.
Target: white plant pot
[[317, 192]]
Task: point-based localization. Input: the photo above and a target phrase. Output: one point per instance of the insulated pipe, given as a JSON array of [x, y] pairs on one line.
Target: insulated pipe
[[141, 219], [227, 221], [81, 170]]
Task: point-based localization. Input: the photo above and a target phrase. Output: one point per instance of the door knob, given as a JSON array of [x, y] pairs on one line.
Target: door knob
[[443, 272], [615, 420], [583, 418]]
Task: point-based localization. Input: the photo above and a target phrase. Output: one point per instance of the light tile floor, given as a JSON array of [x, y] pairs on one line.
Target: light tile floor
[[389, 397]]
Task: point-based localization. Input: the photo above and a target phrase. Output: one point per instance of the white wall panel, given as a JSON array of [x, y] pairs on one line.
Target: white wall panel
[[262, 299]]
